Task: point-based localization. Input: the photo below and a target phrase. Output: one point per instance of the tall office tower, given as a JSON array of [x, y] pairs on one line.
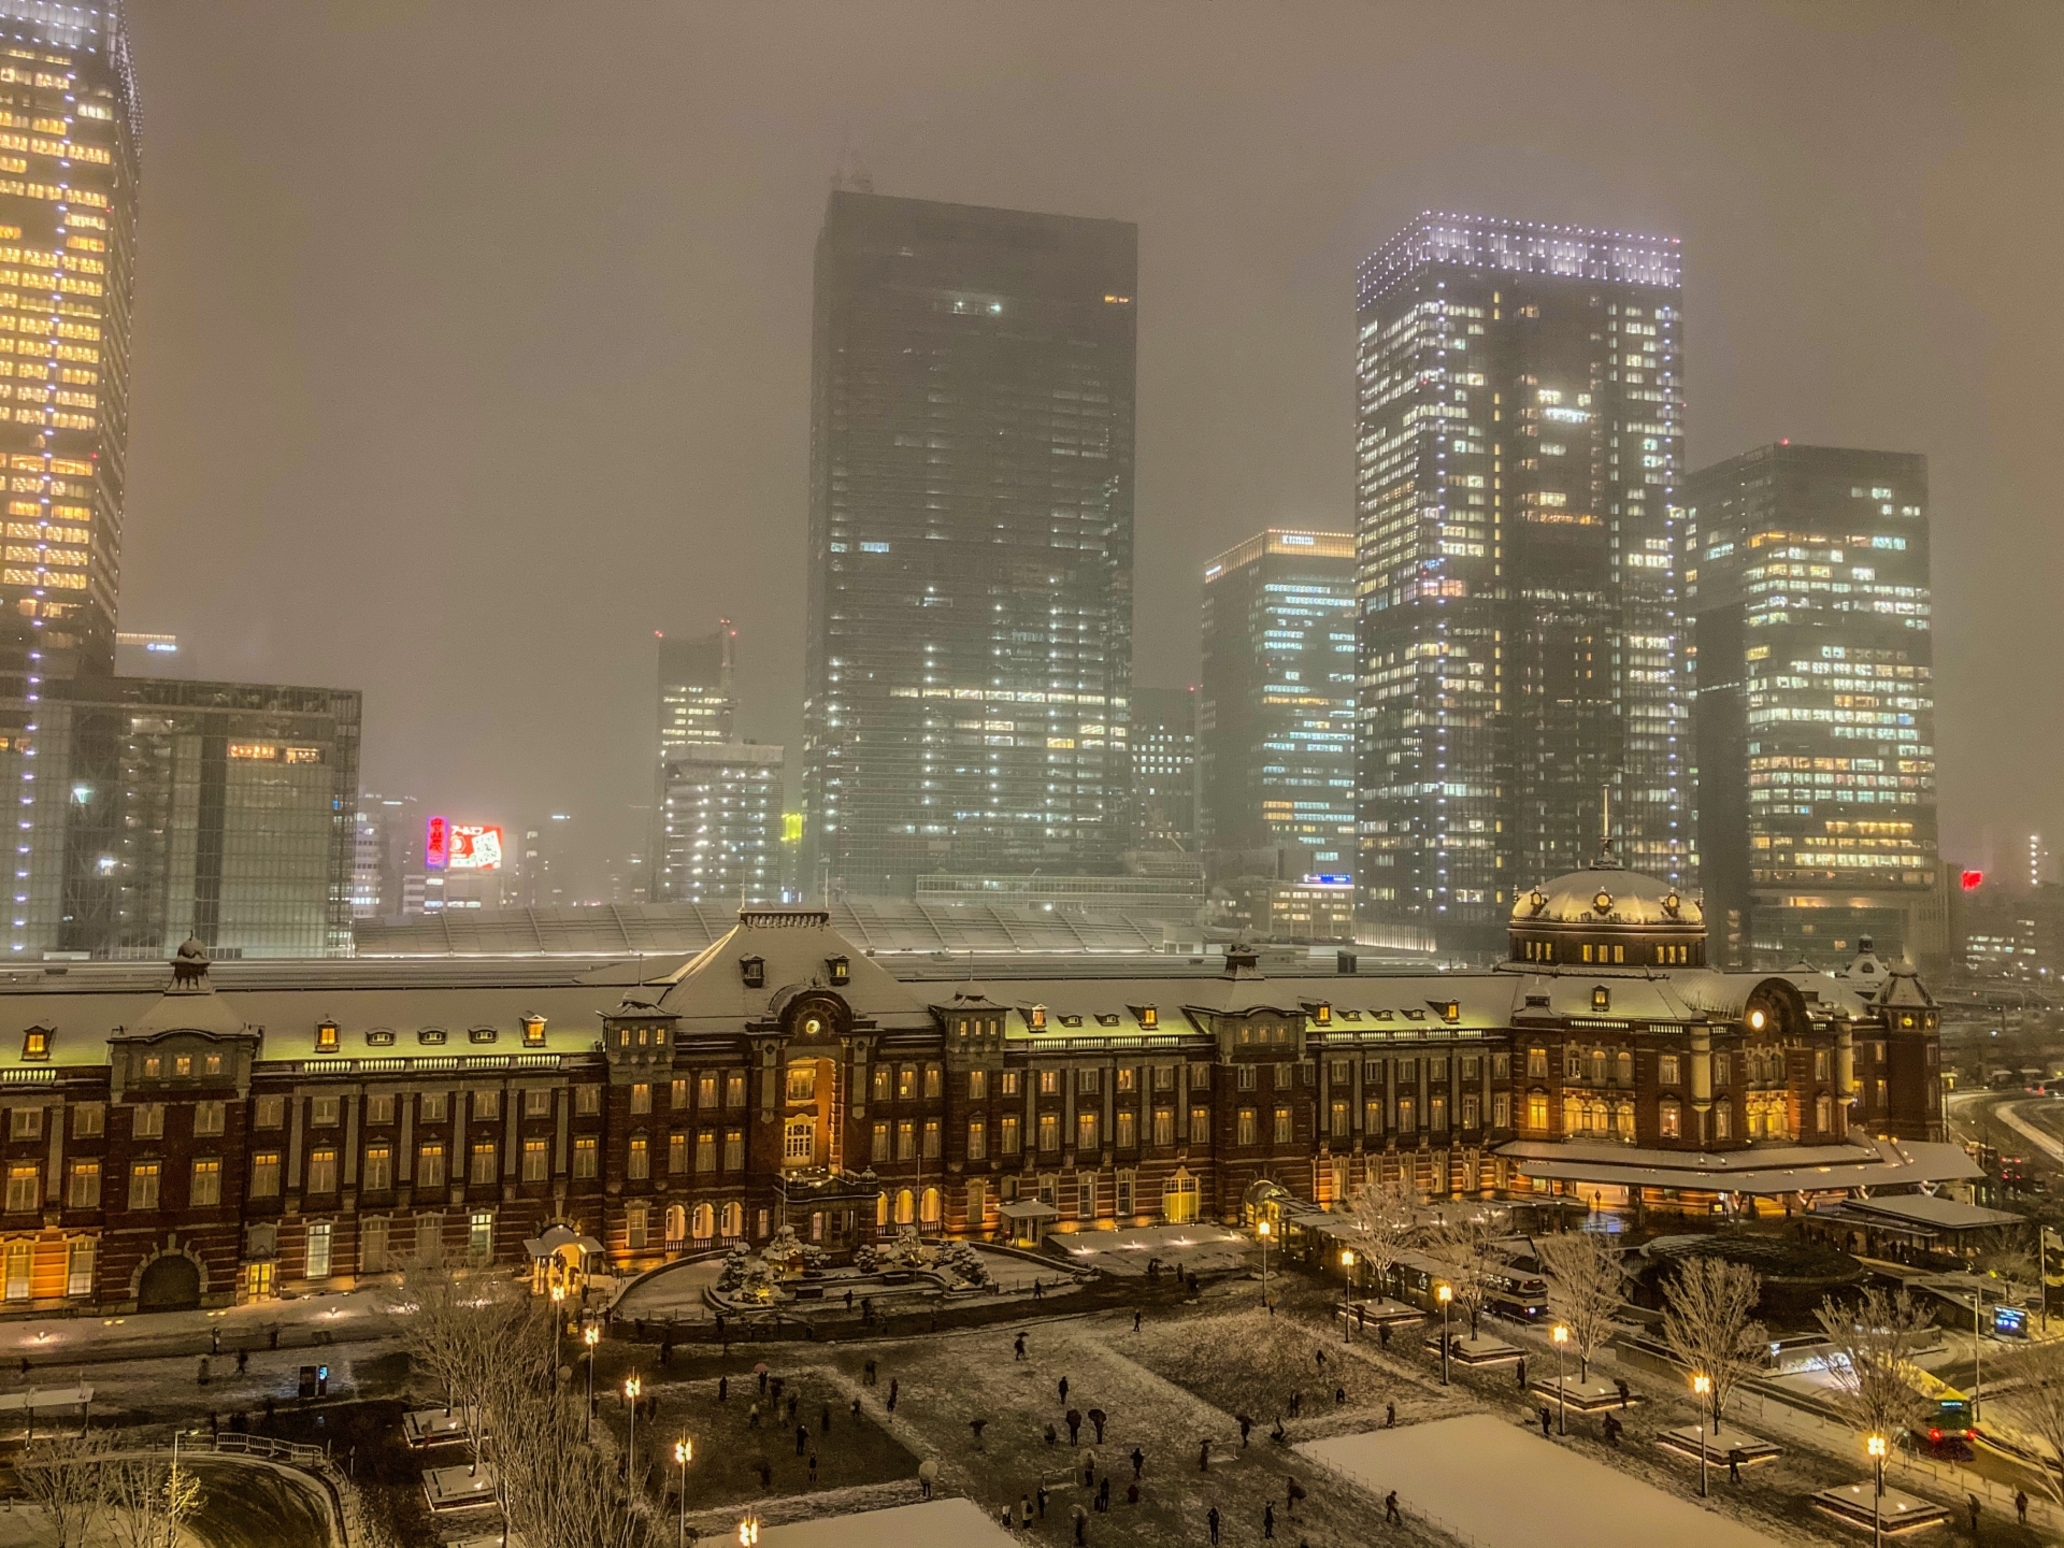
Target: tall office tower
[[721, 825], [1164, 768], [1519, 437], [225, 811], [1807, 581], [68, 204], [696, 700], [1276, 712], [969, 648]]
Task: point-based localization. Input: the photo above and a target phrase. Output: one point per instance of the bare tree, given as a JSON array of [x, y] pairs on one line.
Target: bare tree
[[1585, 1290], [1467, 1244], [2008, 1256], [67, 1477], [148, 1500], [1386, 1219], [1709, 1322], [2037, 1407], [1877, 1384]]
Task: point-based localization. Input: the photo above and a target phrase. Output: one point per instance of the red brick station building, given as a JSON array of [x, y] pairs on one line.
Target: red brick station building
[[254, 1129]]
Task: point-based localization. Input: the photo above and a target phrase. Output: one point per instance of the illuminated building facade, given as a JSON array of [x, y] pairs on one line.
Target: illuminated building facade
[[1164, 768], [69, 132], [969, 651], [227, 812], [1276, 709], [697, 704], [721, 826], [1807, 576], [290, 1128], [1520, 422]]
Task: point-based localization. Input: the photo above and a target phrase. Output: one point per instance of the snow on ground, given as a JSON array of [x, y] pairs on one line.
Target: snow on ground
[[1546, 1496], [933, 1524], [672, 1294], [1202, 1249]]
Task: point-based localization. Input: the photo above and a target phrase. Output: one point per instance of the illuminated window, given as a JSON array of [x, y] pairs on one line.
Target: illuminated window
[[322, 1171], [430, 1166], [484, 1170], [204, 1189], [143, 1185], [24, 1187], [83, 1191], [586, 1157], [377, 1175]]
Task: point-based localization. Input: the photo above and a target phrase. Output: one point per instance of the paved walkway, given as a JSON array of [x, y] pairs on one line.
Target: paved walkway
[[936, 1524]]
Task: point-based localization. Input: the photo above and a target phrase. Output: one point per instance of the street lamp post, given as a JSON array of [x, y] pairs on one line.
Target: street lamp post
[[1702, 1386], [631, 1388], [684, 1453], [1347, 1295], [558, 1326], [1262, 1229], [1446, 1296], [591, 1336], [1877, 1448], [1561, 1337], [1977, 1350]]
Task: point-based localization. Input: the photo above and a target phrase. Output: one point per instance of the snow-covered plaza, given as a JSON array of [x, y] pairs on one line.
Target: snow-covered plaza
[[1544, 1496], [930, 1524]]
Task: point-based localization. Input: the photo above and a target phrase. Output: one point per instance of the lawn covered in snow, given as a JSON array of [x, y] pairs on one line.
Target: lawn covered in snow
[[933, 1524], [1506, 1487]]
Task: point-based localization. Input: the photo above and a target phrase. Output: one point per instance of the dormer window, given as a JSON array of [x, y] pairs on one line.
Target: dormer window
[[1450, 1011], [326, 1037], [1076, 1021], [481, 1035], [1107, 1019], [533, 1031], [754, 971], [36, 1043], [841, 970], [380, 1037], [1149, 1016], [1601, 998], [1036, 1018], [1322, 1014], [430, 1037]]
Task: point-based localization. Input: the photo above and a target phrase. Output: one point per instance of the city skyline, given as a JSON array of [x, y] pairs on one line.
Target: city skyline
[[1798, 328]]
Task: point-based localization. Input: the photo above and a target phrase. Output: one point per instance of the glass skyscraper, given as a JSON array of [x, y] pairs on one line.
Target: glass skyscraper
[[970, 597], [1520, 417], [69, 133], [1277, 705], [696, 699], [1164, 768], [1807, 578]]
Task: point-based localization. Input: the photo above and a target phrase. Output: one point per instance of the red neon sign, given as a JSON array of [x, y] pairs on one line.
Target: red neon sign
[[437, 844], [1973, 880]]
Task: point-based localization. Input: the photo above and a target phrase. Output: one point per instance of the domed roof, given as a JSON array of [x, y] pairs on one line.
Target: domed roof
[[1604, 895]]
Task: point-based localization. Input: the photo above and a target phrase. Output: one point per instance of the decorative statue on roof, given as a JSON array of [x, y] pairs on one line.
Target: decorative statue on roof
[[190, 965]]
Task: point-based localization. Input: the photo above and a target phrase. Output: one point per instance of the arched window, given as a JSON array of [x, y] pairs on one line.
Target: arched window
[[881, 1209], [1623, 1120], [1537, 1111], [734, 1219], [705, 1223], [906, 1207], [676, 1224], [1598, 1066], [930, 1208], [799, 1141], [1623, 1067]]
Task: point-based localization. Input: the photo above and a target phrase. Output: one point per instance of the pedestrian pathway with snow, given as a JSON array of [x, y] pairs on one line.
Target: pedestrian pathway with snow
[[1547, 1496]]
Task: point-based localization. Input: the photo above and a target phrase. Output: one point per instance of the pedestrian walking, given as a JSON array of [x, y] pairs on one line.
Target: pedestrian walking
[[868, 1373], [1545, 1419], [1135, 1320], [203, 1378], [1974, 1513], [1019, 1347], [1139, 1461], [1073, 1419], [1051, 1437], [214, 1341], [724, 1389], [813, 1467], [1211, 1520], [1297, 1405], [762, 1374], [1098, 1418], [802, 1439], [1042, 1497], [1246, 1424], [1390, 1510], [1268, 1521], [1204, 1455], [271, 1333], [1064, 1389], [856, 1408], [1320, 1356], [243, 1360], [1612, 1431], [1734, 1462], [752, 1417], [2021, 1506], [794, 1401], [1390, 1416], [1089, 1468], [1626, 1393], [1132, 1492], [1522, 1373], [1104, 1493], [927, 1475], [893, 1387], [1361, 1317], [1025, 1510], [1292, 1493], [1339, 1396], [666, 1350], [1081, 1518], [1383, 1334]]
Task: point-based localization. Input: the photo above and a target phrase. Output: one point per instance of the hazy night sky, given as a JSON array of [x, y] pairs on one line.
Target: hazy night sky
[[473, 340]]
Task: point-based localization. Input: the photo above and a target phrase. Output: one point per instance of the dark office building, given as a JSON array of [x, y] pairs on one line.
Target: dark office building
[[1164, 768], [697, 703], [1808, 585], [970, 598], [68, 207], [1520, 421], [1277, 705], [224, 811]]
